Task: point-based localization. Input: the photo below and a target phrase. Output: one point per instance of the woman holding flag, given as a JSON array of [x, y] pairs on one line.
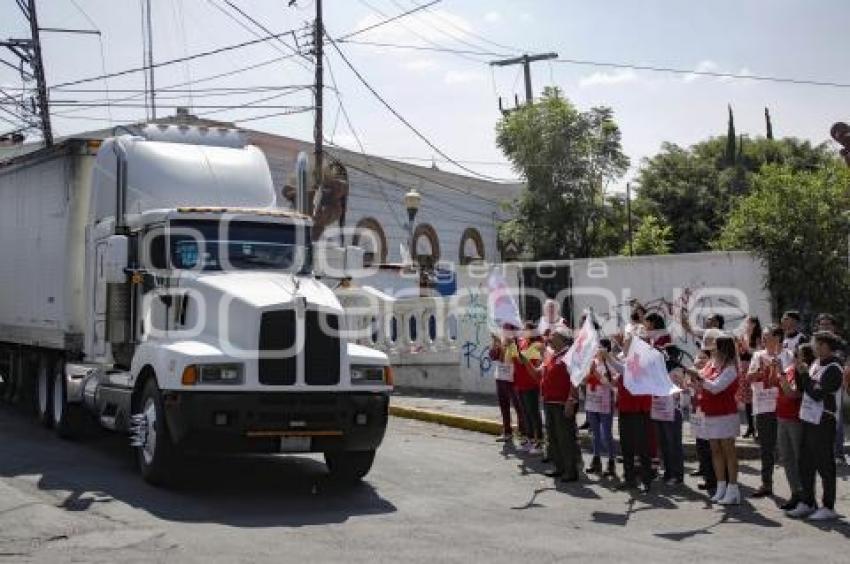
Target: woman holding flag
[[526, 355], [715, 386], [599, 406]]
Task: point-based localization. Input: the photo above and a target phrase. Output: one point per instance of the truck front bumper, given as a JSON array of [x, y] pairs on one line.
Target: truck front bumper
[[258, 422]]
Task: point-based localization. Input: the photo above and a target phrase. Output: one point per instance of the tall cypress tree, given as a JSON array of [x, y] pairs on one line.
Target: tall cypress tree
[[768, 124], [730, 140]]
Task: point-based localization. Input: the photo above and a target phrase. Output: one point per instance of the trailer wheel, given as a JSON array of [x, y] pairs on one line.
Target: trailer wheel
[[44, 392], [349, 466], [154, 450], [67, 417]]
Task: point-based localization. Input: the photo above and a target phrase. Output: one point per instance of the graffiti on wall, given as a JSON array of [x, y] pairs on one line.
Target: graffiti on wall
[[476, 348]]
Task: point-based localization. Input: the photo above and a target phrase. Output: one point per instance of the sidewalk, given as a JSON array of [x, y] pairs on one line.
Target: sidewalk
[[481, 414]]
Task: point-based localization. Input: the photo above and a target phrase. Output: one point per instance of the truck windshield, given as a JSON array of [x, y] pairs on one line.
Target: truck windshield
[[241, 245]]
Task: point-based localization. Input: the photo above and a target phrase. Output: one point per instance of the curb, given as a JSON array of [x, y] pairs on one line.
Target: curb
[[492, 427]]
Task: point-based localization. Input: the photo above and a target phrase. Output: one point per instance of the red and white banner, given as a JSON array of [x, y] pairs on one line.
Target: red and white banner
[[501, 305], [646, 372], [580, 356]]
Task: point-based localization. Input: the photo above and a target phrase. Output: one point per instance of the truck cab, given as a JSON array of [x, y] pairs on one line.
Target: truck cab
[[207, 328]]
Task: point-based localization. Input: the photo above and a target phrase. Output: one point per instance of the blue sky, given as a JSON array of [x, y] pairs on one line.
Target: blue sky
[[453, 99]]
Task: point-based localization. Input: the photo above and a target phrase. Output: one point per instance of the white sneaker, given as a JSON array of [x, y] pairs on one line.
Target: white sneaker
[[732, 497], [802, 510], [823, 514], [720, 492]]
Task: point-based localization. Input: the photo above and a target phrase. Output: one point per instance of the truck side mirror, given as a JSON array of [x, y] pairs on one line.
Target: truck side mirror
[[115, 259]]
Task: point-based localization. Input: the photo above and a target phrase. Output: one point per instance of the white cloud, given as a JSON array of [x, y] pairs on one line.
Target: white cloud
[[346, 140], [526, 17], [703, 66], [420, 65], [463, 77], [492, 17], [608, 79]]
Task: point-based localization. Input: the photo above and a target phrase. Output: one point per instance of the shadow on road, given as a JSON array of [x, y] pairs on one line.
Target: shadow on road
[[240, 492]]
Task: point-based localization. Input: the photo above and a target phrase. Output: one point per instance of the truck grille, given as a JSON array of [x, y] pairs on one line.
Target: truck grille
[[321, 349], [277, 333]]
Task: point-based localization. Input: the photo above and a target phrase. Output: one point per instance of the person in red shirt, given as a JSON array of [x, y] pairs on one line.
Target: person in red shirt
[[526, 355], [762, 378], [560, 399], [789, 429]]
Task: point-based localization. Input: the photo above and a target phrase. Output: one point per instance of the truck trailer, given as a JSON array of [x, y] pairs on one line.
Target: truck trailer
[[152, 284]]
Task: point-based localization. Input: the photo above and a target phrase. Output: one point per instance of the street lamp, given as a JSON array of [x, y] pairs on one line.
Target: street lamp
[[412, 201]]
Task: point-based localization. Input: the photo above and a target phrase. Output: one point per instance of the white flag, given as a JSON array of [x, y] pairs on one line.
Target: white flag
[[580, 356], [646, 372], [501, 305]]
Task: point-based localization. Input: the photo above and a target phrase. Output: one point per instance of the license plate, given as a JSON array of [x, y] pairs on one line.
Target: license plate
[[295, 444]]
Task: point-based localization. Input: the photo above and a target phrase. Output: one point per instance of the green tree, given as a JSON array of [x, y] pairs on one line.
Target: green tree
[[693, 189], [651, 238], [796, 222], [567, 157]]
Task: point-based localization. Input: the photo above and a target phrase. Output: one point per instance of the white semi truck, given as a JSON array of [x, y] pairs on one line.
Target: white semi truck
[[150, 281]]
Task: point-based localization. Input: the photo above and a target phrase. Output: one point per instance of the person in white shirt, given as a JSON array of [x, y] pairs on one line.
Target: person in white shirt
[[551, 318], [790, 323]]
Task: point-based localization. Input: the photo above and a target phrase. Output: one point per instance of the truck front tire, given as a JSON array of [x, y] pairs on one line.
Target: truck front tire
[[348, 466], [68, 418], [156, 454]]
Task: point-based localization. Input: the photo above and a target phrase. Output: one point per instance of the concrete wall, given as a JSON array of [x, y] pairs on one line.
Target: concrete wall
[[454, 357]]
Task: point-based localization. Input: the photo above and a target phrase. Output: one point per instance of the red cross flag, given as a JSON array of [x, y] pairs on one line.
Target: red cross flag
[[502, 306], [580, 356], [646, 372]]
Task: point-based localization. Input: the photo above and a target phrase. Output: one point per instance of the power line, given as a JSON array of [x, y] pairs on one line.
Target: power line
[[410, 30], [206, 78], [473, 34], [592, 63], [435, 48], [243, 25], [177, 60], [765, 78], [402, 119], [389, 20]]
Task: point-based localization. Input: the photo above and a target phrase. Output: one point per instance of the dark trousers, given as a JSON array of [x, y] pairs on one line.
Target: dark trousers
[[530, 400], [749, 411], [766, 427], [507, 398], [672, 451], [562, 435], [817, 456], [634, 441], [706, 467]]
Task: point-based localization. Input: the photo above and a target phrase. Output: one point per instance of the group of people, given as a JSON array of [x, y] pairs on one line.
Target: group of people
[[792, 387]]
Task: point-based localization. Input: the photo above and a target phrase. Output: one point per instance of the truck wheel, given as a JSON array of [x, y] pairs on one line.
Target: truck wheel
[[44, 393], [67, 417], [349, 466], [155, 451]]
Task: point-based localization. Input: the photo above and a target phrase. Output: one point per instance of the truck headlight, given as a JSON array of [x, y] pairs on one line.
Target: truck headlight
[[370, 375], [221, 373]]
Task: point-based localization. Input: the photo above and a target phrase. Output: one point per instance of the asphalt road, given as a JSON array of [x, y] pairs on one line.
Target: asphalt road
[[435, 495]]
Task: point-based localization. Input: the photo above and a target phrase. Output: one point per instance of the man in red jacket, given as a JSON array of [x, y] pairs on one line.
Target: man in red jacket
[[560, 398]]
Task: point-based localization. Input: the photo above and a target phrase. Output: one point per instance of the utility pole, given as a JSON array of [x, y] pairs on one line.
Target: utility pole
[[38, 70], [318, 129], [149, 57], [629, 218], [526, 61]]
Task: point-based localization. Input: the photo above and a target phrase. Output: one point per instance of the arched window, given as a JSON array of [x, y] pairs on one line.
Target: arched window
[[369, 235], [471, 246], [426, 245]]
